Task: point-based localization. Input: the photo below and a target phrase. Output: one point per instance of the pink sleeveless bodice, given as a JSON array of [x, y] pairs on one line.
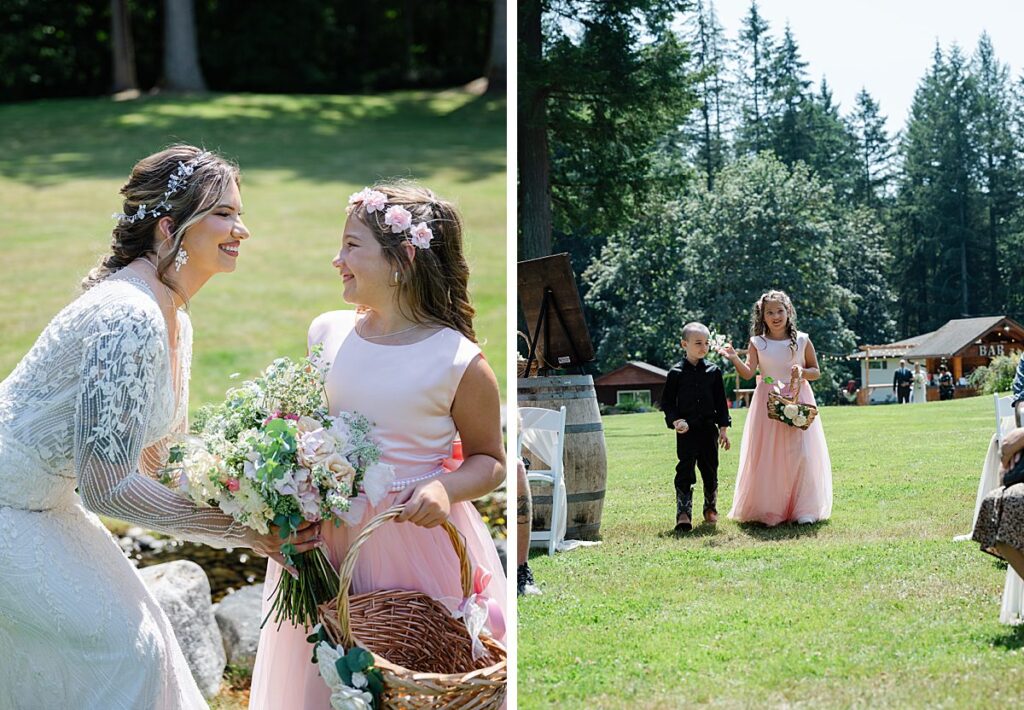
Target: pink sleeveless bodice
[[776, 358], [405, 390]]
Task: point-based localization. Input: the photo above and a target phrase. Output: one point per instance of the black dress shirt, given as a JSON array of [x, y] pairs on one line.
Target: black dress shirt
[[695, 393]]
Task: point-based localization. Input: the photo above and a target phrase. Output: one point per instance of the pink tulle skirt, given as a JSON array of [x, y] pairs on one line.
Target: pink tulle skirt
[[785, 474], [396, 556]]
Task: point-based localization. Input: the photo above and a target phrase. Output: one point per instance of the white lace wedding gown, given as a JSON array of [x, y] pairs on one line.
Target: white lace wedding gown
[[88, 405]]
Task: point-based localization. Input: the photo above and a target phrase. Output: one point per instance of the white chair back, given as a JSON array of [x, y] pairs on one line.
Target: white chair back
[[542, 431], [1005, 418]]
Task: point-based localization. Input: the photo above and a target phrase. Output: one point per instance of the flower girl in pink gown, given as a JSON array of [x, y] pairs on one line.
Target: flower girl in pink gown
[[785, 474], [406, 358]]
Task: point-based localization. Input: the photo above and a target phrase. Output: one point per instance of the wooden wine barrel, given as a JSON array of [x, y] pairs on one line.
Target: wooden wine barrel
[[585, 460]]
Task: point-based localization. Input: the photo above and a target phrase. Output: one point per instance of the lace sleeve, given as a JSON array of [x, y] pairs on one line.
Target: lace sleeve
[[117, 394]]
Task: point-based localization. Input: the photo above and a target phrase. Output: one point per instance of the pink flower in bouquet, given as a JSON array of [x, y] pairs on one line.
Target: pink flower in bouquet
[[341, 472], [307, 494], [232, 485], [315, 447], [398, 218]]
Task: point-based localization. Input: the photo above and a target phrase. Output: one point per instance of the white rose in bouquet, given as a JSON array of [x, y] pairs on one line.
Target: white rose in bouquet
[[799, 420], [791, 411], [341, 432]]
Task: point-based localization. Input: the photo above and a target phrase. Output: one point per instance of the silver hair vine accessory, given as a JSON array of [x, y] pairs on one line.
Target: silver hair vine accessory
[[396, 217], [176, 183]]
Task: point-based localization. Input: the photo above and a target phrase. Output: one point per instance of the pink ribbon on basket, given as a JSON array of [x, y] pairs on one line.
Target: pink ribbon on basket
[[481, 613]]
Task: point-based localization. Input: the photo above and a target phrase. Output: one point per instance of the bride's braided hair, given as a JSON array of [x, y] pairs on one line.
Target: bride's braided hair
[[759, 327], [434, 286]]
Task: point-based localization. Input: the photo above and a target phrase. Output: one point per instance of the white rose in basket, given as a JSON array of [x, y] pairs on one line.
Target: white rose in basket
[[799, 420], [346, 698], [791, 411]]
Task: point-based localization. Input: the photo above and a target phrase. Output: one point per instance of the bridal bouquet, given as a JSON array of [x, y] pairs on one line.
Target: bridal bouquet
[[271, 455]]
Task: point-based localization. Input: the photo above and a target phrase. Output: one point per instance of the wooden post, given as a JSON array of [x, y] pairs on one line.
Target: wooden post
[[958, 368], [867, 373]]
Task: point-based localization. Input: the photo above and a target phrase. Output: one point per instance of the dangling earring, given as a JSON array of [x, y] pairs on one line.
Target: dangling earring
[[395, 280], [180, 259]]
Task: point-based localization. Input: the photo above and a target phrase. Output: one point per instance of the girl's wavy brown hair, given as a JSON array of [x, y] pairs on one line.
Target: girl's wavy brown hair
[[434, 286]]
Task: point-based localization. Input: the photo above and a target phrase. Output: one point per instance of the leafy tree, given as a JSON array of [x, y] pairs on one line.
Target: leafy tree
[[755, 51], [875, 152], [609, 83]]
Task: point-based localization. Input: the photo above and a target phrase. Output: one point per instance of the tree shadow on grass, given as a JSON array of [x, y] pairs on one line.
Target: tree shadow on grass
[[784, 531], [1011, 640], [326, 138]]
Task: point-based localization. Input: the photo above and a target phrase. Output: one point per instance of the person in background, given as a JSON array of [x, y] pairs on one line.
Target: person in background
[[902, 381]]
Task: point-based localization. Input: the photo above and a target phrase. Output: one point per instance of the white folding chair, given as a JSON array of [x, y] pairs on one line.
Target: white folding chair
[[543, 432], [1012, 608]]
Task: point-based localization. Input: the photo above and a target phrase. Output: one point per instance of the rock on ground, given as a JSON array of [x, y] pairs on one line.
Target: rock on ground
[[183, 592]]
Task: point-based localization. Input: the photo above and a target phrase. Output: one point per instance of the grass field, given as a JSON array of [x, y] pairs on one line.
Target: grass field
[[876, 607], [63, 161]]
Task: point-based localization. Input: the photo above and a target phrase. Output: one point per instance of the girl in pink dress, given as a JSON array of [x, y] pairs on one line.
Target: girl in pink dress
[[785, 474], [406, 358]]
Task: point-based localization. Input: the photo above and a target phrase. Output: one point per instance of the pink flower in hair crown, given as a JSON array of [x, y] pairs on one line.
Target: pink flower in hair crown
[[398, 218], [372, 200], [420, 236]]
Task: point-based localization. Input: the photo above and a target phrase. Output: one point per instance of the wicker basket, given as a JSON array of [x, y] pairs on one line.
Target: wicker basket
[[521, 361], [423, 653], [776, 400]]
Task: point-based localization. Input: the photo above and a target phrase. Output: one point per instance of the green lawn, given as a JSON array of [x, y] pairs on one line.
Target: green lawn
[[63, 161], [875, 608]]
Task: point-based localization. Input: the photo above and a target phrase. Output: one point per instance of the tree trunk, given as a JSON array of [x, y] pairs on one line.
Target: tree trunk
[[534, 178], [181, 54], [123, 48], [497, 64]]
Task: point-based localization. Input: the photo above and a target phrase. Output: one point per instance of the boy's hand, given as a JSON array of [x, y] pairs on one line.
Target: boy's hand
[[723, 438], [727, 351], [681, 426]]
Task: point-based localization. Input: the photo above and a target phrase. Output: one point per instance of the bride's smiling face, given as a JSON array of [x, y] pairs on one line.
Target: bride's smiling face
[[365, 271], [214, 242]]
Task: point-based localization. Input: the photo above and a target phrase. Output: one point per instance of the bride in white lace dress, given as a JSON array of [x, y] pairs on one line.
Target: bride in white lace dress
[[89, 407]]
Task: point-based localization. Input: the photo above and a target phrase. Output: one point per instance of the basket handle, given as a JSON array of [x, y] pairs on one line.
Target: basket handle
[[348, 566]]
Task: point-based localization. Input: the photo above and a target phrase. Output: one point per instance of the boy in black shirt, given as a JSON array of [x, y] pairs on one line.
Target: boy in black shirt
[[694, 405]]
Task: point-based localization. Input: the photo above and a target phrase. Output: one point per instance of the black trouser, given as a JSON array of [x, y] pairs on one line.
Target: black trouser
[[903, 394], [697, 447], [945, 392]]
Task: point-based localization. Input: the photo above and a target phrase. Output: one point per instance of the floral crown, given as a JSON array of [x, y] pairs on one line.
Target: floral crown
[[395, 216], [176, 183]]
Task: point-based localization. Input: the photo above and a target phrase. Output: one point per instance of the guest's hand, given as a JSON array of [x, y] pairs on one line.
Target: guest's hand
[[304, 539], [723, 439], [426, 505], [727, 351], [1013, 444], [796, 372], [681, 426]]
